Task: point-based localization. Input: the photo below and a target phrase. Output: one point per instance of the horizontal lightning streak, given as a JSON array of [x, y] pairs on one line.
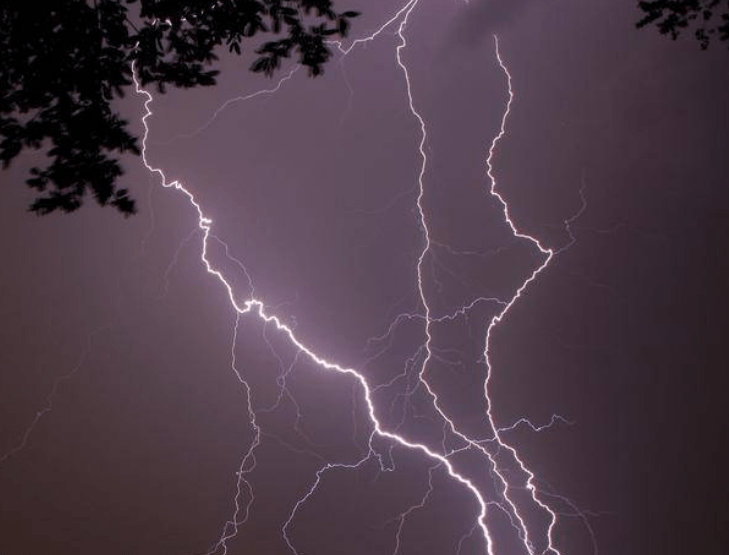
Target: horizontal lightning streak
[[536, 428]]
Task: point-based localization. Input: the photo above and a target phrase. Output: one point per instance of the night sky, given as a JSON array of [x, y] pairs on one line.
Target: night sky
[[614, 156]]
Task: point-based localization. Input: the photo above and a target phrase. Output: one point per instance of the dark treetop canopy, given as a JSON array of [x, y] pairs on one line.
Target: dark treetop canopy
[[62, 67], [709, 17]]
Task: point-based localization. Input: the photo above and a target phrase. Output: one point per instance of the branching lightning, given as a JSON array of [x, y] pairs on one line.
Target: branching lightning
[[230, 101], [257, 308], [496, 453], [440, 456]]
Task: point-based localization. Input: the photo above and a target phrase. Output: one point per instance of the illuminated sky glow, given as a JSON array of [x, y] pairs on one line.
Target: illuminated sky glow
[[409, 307]]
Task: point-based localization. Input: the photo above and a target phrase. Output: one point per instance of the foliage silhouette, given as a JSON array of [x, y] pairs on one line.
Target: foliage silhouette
[[672, 17], [63, 65]]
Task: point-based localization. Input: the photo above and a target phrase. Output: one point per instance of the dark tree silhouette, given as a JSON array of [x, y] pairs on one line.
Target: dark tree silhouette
[[710, 18], [63, 63]]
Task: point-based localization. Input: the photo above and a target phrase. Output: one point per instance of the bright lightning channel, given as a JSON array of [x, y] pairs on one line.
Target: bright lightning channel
[[256, 307], [548, 255]]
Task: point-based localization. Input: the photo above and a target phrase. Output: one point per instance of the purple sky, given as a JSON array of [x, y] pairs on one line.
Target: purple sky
[[314, 189]]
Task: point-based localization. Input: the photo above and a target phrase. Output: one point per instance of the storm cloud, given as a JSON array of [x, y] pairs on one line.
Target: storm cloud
[[482, 18]]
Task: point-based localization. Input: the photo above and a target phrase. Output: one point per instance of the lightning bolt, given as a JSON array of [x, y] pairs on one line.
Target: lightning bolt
[[48, 407], [256, 307], [410, 510], [548, 255], [224, 106], [499, 455]]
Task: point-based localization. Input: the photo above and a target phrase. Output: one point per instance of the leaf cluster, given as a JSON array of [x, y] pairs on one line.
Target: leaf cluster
[[710, 18], [64, 64]]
